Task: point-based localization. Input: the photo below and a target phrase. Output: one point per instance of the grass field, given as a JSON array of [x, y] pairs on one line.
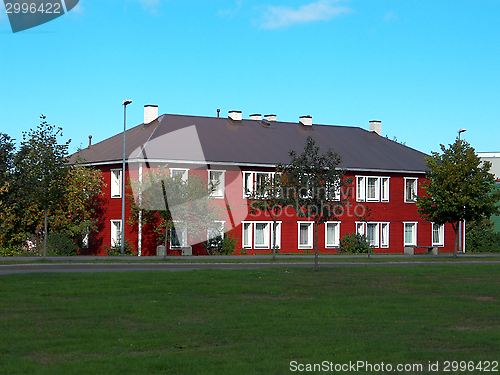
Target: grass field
[[248, 321]]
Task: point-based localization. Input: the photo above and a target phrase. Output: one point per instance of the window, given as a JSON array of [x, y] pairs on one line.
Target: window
[[254, 181], [216, 178], [410, 234], [247, 184], [116, 233], [215, 234], [178, 235], [410, 190], [372, 234], [247, 235], [437, 235], [259, 234], [261, 239], [179, 173], [332, 234], [116, 183], [85, 239], [333, 191], [377, 233], [372, 189], [384, 235], [305, 235]]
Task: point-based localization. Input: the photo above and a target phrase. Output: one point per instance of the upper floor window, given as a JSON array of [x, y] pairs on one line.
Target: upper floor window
[[437, 235], [181, 173], [253, 181], [372, 189], [116, 183], [410, 189], [216, 178]]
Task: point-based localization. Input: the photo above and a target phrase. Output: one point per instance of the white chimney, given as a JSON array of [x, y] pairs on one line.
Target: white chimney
[[306, 120], [376, 126], [270, 117], [256, 116], [150, 113], [235, 115]]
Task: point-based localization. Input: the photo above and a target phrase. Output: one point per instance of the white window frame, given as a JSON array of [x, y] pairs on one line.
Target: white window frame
[[183, 241], [414, 234], [217, 226], [251, 234], [381, 241], [248, 184], [116, 183], [382, 189], [441, 235], [116, 234], [185, 173], [375, 241], [376, 198], [310, 235], [336, 226], [384, 239], [220, 188], [248, 237], [85, 238], [415, 188]]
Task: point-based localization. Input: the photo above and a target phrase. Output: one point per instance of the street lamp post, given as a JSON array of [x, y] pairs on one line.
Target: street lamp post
[[460, 131], [122, 238]]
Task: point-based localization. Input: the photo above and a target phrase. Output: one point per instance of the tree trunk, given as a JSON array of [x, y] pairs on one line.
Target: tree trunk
[[274, 238], [45, 234], [315, 246], [455, 227]]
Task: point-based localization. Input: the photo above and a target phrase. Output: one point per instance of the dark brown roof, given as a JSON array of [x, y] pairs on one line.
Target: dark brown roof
[[249, 142]]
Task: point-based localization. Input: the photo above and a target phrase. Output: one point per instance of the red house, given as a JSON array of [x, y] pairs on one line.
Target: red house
[[237, 152]]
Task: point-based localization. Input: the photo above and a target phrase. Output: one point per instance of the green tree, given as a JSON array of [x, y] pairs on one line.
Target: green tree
[[481, 236], [315, 186], [459, 187], [268, 196], [172, 202]]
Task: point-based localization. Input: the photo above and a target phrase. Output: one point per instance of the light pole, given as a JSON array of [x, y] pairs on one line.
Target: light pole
[[460, 131], [122, 239]]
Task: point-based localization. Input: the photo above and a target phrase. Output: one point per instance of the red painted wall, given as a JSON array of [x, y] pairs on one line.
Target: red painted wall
[[396, 211]]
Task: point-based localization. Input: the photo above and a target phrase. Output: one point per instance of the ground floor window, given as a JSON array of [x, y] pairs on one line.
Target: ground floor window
[[178, 236], [305, 235], [116, 233], [410, 234], [437, 235], [259, 234], [332, 234], [377, 233]]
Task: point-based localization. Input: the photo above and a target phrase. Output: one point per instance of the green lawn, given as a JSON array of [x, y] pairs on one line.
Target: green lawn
[[248, 321]]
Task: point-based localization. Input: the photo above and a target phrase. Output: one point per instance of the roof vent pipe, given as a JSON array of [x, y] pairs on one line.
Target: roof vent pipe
[[256, 116], [235, 115], [376, 126], [270, 117], [90, 141], [150, 113], [306, 120]]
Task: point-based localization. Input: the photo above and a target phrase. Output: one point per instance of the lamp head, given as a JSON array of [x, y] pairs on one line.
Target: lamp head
[[127, 102], [461, 130]]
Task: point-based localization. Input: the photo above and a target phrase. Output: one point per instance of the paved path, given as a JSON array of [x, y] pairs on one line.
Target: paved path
[[73, 265]]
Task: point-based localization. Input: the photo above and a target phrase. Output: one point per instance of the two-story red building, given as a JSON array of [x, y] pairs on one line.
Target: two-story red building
[[237, 153]]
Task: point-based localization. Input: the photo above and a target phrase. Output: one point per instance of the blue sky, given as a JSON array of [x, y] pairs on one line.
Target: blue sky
[[424, 68]]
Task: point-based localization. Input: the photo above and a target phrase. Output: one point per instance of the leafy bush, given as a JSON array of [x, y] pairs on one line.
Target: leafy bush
[[354, 243], [13, 251], [117, 250], [481, 237], [59, 243], [221, 245]]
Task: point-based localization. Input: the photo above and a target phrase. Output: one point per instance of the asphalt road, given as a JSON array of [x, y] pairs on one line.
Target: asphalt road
[[6, 269]]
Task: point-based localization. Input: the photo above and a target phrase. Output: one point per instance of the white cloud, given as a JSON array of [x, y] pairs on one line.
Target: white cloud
[[275, 17], [390, 16], [230, 12]]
